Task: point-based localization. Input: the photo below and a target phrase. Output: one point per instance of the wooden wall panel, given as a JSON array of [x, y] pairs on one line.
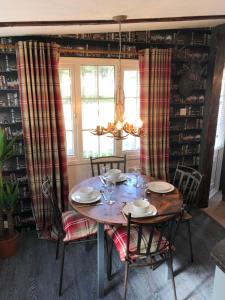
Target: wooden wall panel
[[216, 65]]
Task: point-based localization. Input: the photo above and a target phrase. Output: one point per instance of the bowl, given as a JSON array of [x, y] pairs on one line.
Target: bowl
[[85, 192], [114, 174], [140, 206]]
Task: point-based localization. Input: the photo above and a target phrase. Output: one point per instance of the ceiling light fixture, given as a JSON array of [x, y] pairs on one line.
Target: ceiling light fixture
[[120, 129]]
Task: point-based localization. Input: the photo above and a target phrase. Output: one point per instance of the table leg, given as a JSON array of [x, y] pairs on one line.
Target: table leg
[[168, 272], [101, 261]]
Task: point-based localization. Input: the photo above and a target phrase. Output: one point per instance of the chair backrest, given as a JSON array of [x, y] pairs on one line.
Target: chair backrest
[[49, 195], [158, 235], [188, 181], [114, 162]]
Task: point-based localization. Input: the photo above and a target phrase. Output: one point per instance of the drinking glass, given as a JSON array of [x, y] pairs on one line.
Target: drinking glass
[[110, 187], [136, 172], [104, 174], [105, 170], [143, 186]]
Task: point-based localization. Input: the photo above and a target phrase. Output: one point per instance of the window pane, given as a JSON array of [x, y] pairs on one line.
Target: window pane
[[132, 110], [65, 86], [131, 143], [70, 142], [89, 81], [89, 113], [132, 107], [90, 144], [106, 111], [97, 108], [106, 81], [106, 146], [131, 88], [68, 116], [96, 146]]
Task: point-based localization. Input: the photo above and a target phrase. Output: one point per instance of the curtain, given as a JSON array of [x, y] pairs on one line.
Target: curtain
[[155, 68], [43, 127]]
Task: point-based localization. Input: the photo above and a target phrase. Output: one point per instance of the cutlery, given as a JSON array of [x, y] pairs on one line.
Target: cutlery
[[89, 205], [102, 180], [125, 217], [124, 204], [103, 194]]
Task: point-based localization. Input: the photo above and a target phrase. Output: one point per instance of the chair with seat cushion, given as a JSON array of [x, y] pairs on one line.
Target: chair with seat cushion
[[144, 244], [188, 181], [70, 226], [114, 162]]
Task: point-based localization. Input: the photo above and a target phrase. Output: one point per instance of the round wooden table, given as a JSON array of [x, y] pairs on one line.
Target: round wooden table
[[111, 214]]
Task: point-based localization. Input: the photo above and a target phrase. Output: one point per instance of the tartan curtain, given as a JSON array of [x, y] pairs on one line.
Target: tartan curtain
[[43, 126], [155, 67]]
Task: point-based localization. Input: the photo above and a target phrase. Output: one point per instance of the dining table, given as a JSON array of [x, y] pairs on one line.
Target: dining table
[[104, 213]]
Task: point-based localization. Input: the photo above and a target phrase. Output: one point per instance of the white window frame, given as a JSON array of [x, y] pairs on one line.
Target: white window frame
[[73, 64]]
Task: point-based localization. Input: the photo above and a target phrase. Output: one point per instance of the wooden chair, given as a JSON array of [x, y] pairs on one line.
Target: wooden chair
[[144, 244], [114, 162], [188, 181], [71, 227]]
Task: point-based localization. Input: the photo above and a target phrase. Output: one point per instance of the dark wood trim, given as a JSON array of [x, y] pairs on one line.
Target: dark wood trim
[[215, 73], [102, 22], [220, 29]]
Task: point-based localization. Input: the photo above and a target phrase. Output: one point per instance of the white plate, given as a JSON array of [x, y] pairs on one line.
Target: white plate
[[121, 178], [128, 208], [160, 187], [76, 197]]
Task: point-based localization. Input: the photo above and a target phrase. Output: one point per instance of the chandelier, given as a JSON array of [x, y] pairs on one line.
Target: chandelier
[[120, 128]]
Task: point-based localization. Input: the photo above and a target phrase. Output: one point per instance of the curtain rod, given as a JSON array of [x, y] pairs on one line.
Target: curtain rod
[[80, 51], [100, 22]]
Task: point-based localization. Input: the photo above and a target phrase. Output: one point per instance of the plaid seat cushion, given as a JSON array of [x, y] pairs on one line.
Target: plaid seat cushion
[[119, 237], [77, 227]]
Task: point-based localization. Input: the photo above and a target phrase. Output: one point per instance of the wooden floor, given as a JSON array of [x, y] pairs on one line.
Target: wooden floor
[[34, 274], [216, 208]]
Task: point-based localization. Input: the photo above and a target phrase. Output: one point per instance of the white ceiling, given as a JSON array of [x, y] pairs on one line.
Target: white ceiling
[[58, 10]]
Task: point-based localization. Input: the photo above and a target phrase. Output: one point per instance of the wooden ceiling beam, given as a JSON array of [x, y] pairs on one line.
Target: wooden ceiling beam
[[102, 22]]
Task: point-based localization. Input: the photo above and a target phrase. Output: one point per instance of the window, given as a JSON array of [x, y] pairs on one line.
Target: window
[[65, 84], [98, 103], [88, 88], [132, 106]]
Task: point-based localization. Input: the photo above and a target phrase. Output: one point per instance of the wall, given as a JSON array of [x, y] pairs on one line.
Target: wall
[[185, 45]]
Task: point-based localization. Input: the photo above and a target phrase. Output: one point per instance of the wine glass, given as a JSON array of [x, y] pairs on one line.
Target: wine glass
[[104, 173], [143, 186], [110, 187], [136, 172], [104, 170]]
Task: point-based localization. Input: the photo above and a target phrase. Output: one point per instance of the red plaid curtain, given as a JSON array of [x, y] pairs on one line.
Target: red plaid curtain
[[155, 66], [43, 126]]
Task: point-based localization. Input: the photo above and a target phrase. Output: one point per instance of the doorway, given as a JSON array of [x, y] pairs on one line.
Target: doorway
[[219, 144]]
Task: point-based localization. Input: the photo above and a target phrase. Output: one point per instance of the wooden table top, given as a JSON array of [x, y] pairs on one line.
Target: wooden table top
[[124, 192]]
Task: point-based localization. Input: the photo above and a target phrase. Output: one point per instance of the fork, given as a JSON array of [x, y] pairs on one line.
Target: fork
[[102, 180]]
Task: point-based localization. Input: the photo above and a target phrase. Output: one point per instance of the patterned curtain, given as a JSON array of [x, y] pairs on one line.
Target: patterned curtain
[[43, 126], [155, 66]]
